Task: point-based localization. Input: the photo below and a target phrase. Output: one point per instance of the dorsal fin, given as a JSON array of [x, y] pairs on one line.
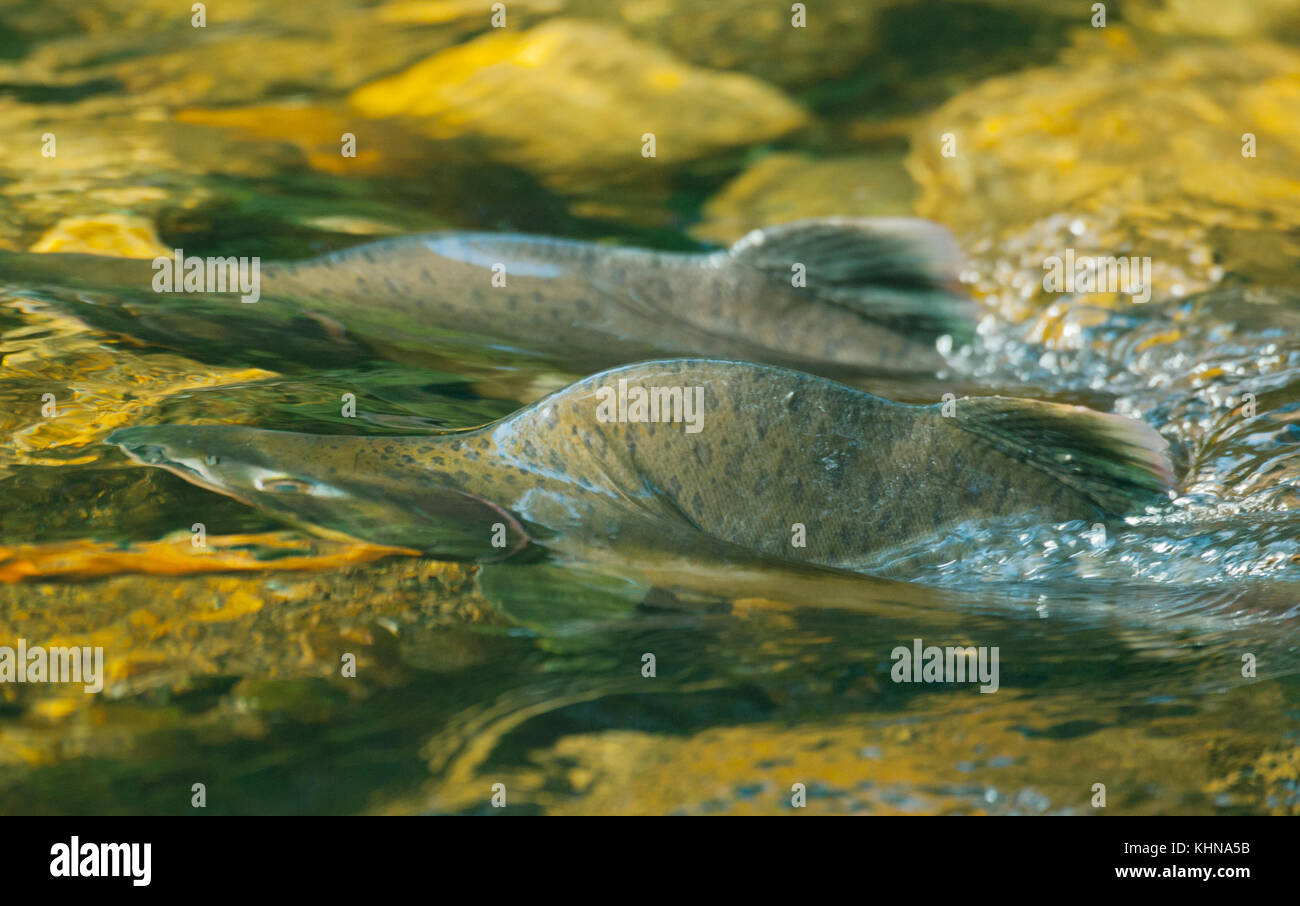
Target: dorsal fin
[[898, 272]]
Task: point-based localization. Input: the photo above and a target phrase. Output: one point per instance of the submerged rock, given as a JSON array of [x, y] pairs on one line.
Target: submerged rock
[[107, 165], [1257, 19], [108, 234], [245, 50], [1126, 153], [569, 100], [787, 186], [753, 36]]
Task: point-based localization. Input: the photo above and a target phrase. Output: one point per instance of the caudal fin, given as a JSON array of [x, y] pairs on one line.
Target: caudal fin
[[898, 272], [1118, 463]]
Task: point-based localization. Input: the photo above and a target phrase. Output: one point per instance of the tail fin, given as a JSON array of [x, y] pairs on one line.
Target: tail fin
[[898, 272], [1116, 462]]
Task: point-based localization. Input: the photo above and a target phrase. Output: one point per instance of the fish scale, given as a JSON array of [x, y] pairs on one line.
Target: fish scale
[[877, 295], [862, 474]]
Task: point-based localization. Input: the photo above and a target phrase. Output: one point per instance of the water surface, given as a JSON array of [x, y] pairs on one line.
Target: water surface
[[1121, 655]]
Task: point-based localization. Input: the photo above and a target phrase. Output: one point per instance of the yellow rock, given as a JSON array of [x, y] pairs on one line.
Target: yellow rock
[[236, 604], [330, 45], [569, 99], [317, 131], [1273, 104], [754, 36], [786, 186], [1122, 150], [1258, 18], [438, 12], [54, 709], [119, 235], [129, 165], [167, 614]]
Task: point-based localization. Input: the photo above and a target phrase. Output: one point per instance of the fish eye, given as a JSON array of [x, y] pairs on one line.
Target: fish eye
[[284, 484]]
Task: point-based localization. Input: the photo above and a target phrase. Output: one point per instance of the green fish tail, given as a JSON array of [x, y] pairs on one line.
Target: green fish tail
[[1116, 462]]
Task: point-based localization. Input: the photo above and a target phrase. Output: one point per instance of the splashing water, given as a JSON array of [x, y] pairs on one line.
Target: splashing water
[[1218, 375]]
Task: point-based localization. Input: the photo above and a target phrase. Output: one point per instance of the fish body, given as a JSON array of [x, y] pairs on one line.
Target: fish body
[[828, 296], [774, 464], [601, 304]]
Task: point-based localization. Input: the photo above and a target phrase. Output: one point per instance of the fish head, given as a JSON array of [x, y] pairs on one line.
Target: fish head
[[229, 460], [306, 480]]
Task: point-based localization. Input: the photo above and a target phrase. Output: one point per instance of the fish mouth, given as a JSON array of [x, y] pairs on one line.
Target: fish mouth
[[142, 445]]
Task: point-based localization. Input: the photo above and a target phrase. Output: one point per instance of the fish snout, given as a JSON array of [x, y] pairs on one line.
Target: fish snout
[[186, 450], [163, 445], [139, 444]]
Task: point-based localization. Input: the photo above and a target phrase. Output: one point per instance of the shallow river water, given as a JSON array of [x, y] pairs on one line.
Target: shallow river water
[[1159, 657]]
